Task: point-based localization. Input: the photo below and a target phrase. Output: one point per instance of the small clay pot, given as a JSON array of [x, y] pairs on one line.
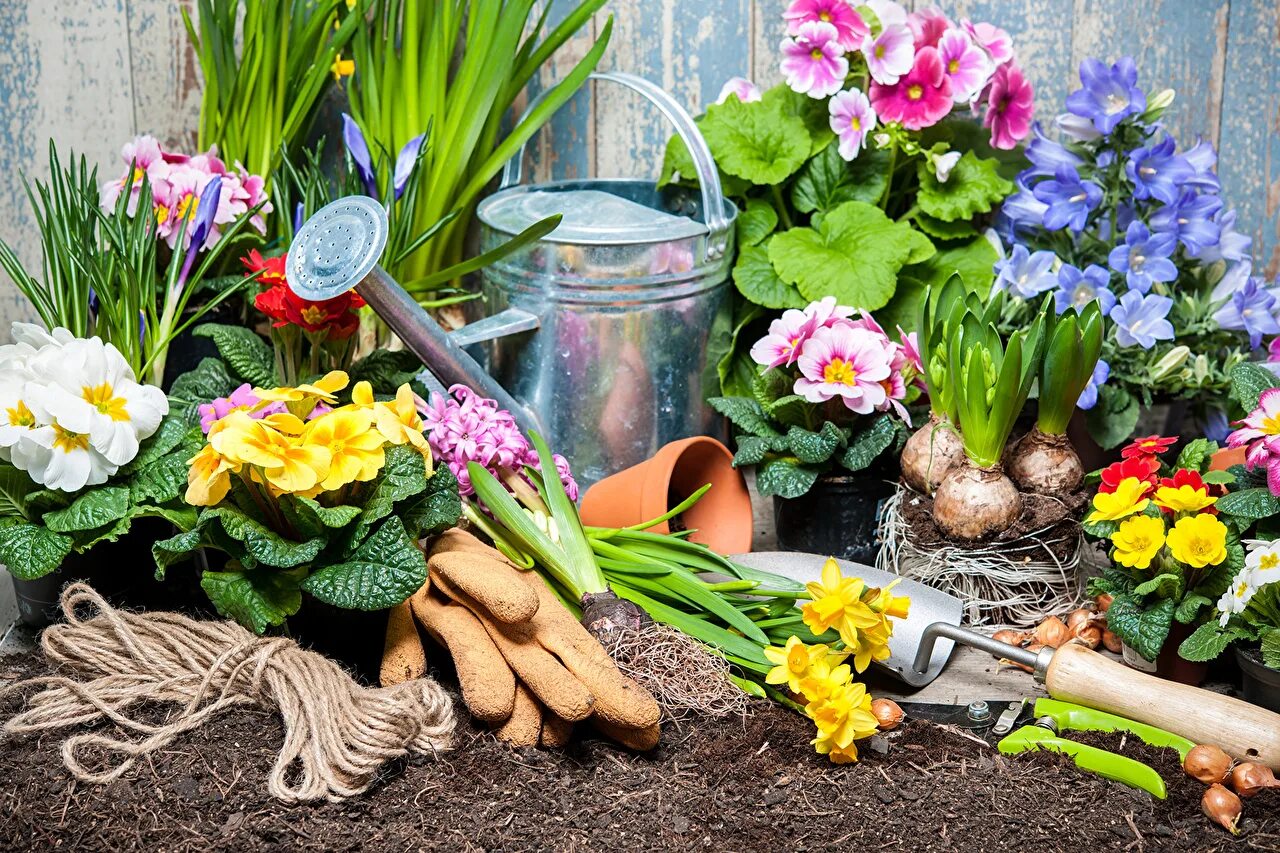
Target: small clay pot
[[721, 518], [1226, 457]]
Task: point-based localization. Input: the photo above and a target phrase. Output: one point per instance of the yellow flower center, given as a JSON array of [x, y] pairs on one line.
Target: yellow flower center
[[137, 174], [1271, 425], [1268, 561], [21, 416], [915, 91], [798, 658], [313, 315], [816, 53], [839, 372], [825, 17], [953, 66], [69, 442], [855, 123], [1242, 588], [102, 397], [162, 214], [184, 205]]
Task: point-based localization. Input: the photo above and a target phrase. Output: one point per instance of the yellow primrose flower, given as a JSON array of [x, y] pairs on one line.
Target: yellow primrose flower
[[1137, 541], [324, 388], [208, 478], [299, 466], [355, 450], [824, 678], [400, 423], [240, 439], [1124, 501], [1185, 498], [837, 603], [793, 662], [1198, 540]]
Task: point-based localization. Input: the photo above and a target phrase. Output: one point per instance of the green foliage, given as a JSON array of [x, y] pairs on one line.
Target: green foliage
[[1207, 642], [1073, 341], [1248, 381], [973, 187], [759, 143], [1249, 504], [758, 280], [1113, 419], [31, 550], [383, 571], [1143, 627], [828, 181], [756, 221], [1271, 648], [257, 599], [244, 352]]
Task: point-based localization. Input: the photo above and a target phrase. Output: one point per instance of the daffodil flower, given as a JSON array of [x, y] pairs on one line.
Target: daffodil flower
[[837, 603], [793, 662]]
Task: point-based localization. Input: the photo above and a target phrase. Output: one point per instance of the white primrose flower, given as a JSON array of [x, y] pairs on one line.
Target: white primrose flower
[[16, 417], [57, 458]]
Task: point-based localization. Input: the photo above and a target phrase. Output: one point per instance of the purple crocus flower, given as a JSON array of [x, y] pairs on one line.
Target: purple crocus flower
[[1069, 199], [359, 151], [1109, 94], [1144, 257], [206, 210], [1231, 246], [1089, 396], [1025, 274], [1140, 320], [1251, 309], [1192, 219], [405, 161], [1202, 158], [299, 216], [1047, 156], [1077, 289], [1158, 172]]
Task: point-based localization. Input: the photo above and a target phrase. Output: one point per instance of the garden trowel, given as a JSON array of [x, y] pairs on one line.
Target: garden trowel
[[922, 643]]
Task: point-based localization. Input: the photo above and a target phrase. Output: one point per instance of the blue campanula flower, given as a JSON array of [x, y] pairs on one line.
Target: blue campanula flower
[[1231, 246], [1076, 127], [1203, 158], [1076, 289], [1234, 278], [206, 212], [1214, 425], [1047, 156], [1020, 213], [1144, 257], [1158, 172], [1141, 320], [1251, 309], [1109, 94], [1089, 396], [1192, 219], [359, 151], [1025, 274], [1069, 199]]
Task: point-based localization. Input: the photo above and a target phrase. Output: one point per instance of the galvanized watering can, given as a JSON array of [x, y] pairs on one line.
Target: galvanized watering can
[[600, 337]]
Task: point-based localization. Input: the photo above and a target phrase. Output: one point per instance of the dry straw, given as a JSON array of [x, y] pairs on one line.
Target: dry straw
[[337, 733]]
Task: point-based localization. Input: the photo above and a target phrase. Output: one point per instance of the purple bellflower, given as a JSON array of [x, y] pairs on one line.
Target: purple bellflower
[[1251, 309], [1158, 172], [1192, 218], [1076, 289], [1143, 257], [1089, 396], [1025, 274], [1109, 94], [1069, 199], [1141, 320]]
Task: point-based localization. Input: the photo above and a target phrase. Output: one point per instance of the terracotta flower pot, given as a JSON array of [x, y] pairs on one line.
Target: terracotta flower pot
[[1226, 457], [722, 518]]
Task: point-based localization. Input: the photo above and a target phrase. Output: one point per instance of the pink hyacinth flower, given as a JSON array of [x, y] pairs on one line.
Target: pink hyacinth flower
[[995, 41], [740, 86], [918, 100], [966, 65], [890, 54], [927, 26], [825, 312], [813, 62], [850, 28], [1010, 107], [847, 363], [786, 337], [852, 118]]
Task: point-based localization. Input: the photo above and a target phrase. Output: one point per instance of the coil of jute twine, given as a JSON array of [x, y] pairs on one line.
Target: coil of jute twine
[[337, 733]]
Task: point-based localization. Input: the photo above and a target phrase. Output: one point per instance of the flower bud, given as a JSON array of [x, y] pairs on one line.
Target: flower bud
[[1172, 360], [1158, 104]]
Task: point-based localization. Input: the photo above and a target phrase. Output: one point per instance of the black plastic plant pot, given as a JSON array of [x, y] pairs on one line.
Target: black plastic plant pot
[[1261, 682], [38, 599], [838, 517], [354, 638]]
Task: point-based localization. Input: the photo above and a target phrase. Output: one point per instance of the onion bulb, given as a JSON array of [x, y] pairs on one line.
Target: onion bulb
[[976, 503], [1248, 778], [1112, 641], [930, 454], [1207, 763], [888, 713], [1089, 636], [1052, 632], [1013, 638], [1222, 807], [1102, 603]]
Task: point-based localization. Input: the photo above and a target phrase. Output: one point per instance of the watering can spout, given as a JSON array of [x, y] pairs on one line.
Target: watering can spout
[[338, 249]]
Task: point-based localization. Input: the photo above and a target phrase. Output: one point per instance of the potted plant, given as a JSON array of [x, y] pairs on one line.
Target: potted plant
[[1117, 215], [865, 176], [829, 399], [1173, 550]]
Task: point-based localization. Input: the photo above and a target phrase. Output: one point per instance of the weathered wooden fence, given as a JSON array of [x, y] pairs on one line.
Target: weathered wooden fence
[[92, 73]]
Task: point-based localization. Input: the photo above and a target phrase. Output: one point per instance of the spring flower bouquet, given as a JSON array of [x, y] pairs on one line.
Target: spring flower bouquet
[[830, 395], [871, 172], [303, 494], [1118, 215], [1174, 548], [86, 449]]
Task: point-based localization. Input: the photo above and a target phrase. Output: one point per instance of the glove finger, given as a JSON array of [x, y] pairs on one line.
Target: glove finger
[[641, 740], [491, 583], [403, 657], [525, 724], [555, 731], [488, 684], [457, 540]]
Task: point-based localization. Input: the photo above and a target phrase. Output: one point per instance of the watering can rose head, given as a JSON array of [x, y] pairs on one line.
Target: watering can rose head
[[337, 318]]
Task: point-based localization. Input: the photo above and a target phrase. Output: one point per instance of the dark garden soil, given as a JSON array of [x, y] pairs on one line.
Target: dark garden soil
[[730, 785], [1054, 521]]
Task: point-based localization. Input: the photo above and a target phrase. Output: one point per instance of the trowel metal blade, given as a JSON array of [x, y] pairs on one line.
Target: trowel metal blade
[[928, 605]]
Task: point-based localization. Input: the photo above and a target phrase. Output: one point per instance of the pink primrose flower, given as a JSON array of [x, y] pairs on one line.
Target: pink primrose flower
[[813, 62], [852, 118], [844, 362], [850, 28], [1010, 107], [890, 54], [918, 100]]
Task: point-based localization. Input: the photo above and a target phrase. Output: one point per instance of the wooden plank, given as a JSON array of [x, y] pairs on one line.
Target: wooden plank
[[64, 74], [767, 32], [565, 147], [166, 77], [1249, 161]]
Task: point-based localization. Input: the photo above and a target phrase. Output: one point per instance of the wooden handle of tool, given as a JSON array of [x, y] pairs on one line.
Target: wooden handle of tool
[[1244, 731]]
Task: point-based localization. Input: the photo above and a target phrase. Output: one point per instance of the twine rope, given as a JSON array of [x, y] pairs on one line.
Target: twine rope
[[337, 733]]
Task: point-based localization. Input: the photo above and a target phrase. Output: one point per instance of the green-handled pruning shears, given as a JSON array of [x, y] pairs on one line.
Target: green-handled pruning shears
[[1053, 717]]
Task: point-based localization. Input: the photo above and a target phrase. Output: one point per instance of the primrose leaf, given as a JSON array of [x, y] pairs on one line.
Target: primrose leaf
[[756, 221], [791, 410], [812, 111], [256, 599], [1250, 504], [96, 508], [1207, 642], [1112, 582], [758, 142], [1196, 454], [1271, 648], [15, 487], [1112, 420], [757, 280], [1166, 584], [173, 429], [312, 520], [785, 477], [436, 509], [209, 381], [385, 569], [403, 475], [973, 187], [1189, 608], [162, 480], [386, 370], [855, 255], [868, 443], [248, 355], [828, 181], [31, 551], [973, 261], [264, 544], [751, 451], [1248, 381], [166, 552], [1144, 628], [940, 229], [814, 448], [745, 414]]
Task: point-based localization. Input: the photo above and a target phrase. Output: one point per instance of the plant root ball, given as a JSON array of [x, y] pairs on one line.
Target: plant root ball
[[930, 454], [976, 503], [1045, 464]]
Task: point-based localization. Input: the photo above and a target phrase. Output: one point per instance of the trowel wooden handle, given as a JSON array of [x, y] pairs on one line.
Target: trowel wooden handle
[[1244, 731]]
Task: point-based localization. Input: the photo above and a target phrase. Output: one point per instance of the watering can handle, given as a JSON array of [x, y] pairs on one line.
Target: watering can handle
[[708, 175]]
